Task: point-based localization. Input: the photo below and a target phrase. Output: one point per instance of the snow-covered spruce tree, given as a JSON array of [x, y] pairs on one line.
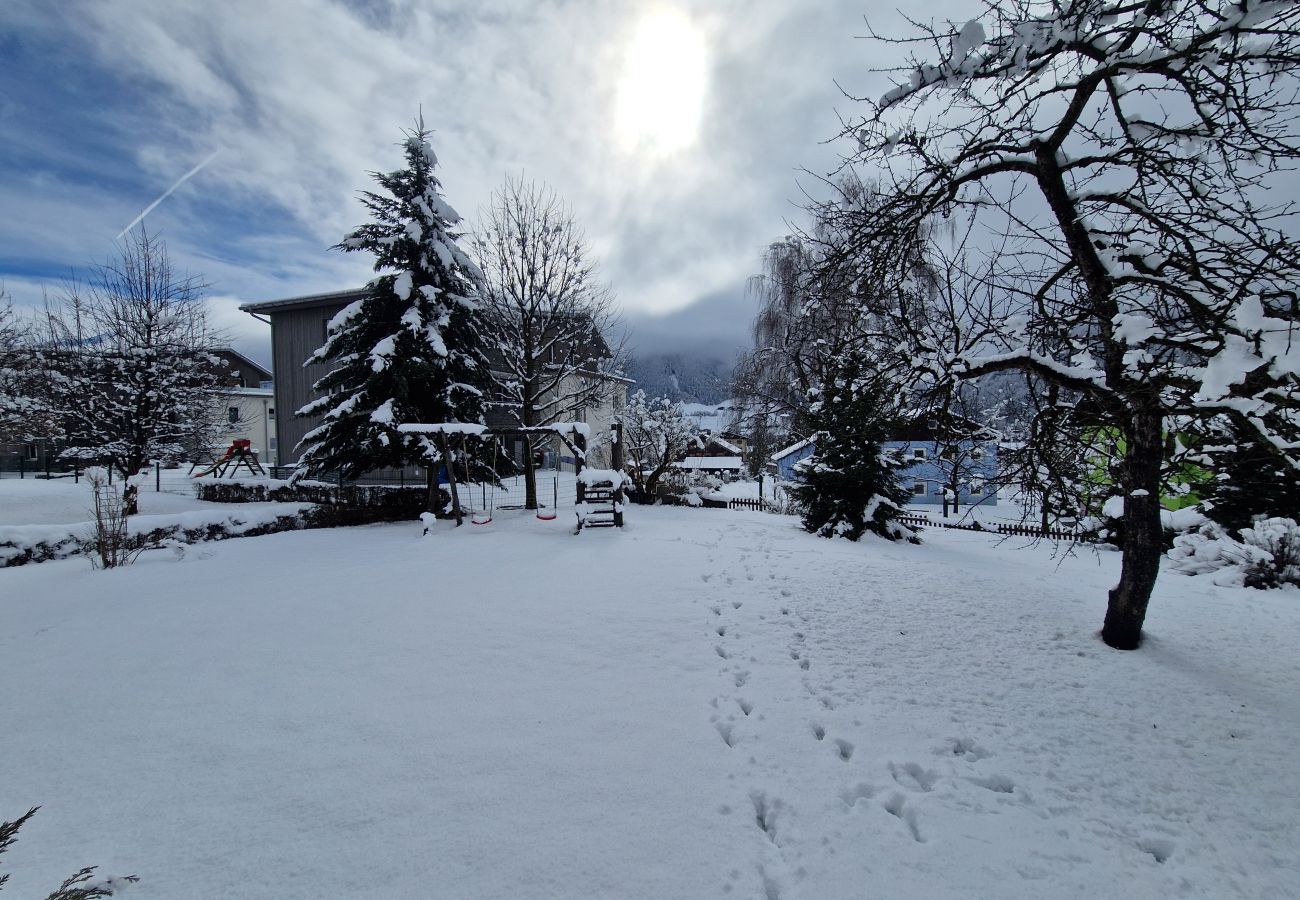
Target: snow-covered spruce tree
[[850, 484], [656, 434], [548, 320], [129, 374], [411, 350], [1122, 154]]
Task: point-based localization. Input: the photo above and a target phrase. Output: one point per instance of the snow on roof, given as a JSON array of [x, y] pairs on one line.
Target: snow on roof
[[711, 462], [781, 454], [725, 444]]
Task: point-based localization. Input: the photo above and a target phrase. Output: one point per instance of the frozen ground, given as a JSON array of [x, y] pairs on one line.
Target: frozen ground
[[708, 704]]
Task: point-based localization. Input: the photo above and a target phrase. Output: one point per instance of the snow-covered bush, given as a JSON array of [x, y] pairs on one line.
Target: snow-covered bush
[[113, 546], [689, 488], [1277, 561], [1267, 556]]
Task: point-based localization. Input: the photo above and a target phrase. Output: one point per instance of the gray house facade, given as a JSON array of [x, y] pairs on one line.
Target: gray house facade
[[298, 328]]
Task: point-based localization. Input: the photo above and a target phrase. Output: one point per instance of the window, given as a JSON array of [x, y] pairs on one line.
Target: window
[[325, 330], [274, 444], [918, 489], [949, 452], [918, 453], [33, 452], [976, 488], [270, 412], [977, 453], [232, 415]]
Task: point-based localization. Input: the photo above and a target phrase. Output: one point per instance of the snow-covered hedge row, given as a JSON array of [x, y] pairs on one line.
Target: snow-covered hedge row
[[305, 505], [1267, 556], [21, 544], [385, 502]]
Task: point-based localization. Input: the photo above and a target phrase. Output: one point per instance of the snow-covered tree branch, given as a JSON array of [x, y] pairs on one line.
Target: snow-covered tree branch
[[1118, 157], [549, 322]]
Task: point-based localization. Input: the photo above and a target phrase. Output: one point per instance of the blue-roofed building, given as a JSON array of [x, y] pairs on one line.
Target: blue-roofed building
[[961, 458]]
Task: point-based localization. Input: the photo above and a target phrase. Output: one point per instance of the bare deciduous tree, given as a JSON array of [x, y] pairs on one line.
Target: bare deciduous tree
[[1123, 151], [130, 373], [549, 321]]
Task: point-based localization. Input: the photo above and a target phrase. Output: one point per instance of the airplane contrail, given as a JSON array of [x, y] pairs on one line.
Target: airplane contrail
[[167, 193]]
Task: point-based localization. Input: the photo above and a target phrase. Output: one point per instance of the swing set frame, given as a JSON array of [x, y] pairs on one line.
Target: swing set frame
[[573, 434]]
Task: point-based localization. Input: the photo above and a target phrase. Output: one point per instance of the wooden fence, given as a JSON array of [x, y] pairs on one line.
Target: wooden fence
[[922, 521]]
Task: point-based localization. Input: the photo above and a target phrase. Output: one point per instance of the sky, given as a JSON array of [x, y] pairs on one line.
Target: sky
[[676, 131]]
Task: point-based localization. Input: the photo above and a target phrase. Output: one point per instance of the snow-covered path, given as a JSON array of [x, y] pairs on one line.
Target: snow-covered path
[[709, 704]]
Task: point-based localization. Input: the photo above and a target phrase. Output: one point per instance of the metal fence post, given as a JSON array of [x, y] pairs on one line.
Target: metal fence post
[[157, 477]]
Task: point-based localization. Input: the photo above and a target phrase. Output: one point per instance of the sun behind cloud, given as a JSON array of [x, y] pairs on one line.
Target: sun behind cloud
[[662, 85]]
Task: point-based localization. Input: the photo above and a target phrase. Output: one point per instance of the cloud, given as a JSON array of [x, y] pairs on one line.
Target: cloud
[[303, 97]]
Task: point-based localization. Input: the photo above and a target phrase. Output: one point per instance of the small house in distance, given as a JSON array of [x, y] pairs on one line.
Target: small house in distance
[[713, 455], [944, 454], [245, 405]]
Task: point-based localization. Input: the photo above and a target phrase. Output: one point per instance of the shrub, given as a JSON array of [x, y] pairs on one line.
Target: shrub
[[1278, 560], [1267, 556], [112, 502]]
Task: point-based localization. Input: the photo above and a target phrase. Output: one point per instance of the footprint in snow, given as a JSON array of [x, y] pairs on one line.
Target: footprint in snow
[[745, 706], [818, 731], [964, 747], [844, 748], [914, 777], [999, 784], [1159, 848], [721, 630], [860, 791], [727, 733], [721, 651], [766, 811], [897, 806], [737, 604]]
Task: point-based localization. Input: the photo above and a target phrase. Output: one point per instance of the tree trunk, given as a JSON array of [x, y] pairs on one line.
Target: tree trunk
[[530, 476], [1143, 541], [450, 463], [431, 487]]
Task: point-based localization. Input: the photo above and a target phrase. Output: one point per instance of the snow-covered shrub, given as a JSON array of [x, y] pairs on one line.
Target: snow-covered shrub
[[112, 543], [83, 885], [1267, 556], [1277, 562], [683, 488]]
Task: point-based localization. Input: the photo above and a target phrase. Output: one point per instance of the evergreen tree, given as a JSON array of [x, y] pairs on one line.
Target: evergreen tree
[[410, 350], [850, 484], [1251, 480]]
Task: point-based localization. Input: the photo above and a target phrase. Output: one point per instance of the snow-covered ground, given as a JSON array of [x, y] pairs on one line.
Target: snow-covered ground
[[710, 703], [38, 501]]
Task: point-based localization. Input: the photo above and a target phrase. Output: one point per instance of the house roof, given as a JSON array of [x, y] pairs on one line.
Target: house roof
[[331, 298], [245, 360], [724, 444], [938, 426], [783, 453]]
